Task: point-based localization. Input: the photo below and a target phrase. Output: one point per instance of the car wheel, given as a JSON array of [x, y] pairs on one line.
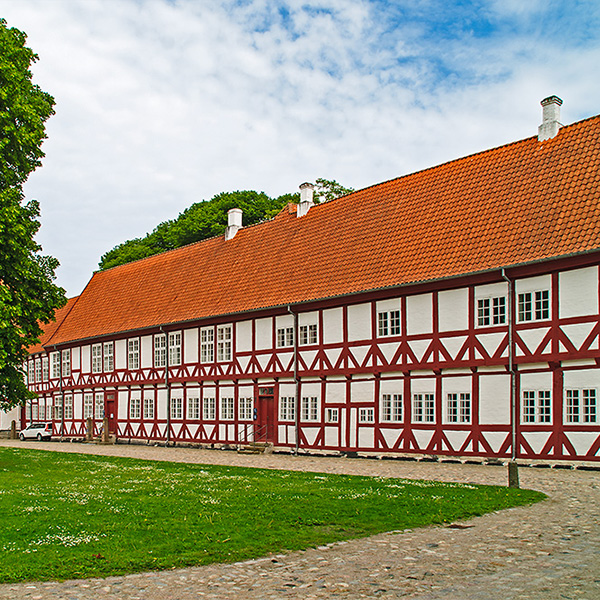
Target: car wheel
[[39, 437], [21, 437]]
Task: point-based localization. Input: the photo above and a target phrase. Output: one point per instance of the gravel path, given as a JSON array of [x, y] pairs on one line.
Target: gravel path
[[549, 551]]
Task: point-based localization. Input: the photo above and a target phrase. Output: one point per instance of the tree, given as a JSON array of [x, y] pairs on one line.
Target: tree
[[329, 189], [28, 295]]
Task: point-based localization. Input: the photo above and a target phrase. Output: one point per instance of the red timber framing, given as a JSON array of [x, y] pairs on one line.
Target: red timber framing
[[433, 381]]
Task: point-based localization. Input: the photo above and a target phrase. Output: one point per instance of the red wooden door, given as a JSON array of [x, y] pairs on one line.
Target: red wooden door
[[265, 418], [110, 411]]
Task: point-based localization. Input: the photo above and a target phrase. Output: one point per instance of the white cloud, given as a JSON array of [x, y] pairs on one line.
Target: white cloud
[[161, 104]]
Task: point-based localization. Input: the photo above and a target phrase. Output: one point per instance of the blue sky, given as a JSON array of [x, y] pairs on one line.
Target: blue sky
[[162, 103]]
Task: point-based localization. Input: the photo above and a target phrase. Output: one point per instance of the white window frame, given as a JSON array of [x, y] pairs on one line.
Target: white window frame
[[30, 371], [391, 408], [135, 408], [55, 357], [38, 371], [366, 414], [423, 408], [285, 337], [148, 408], [68, 406], [536, 406], [108, 359], [287, 408], [160, 350], [193, 408], [491, 310], [88, 405], [207, 345], [458, 407], [209, 408], [389, 323], [245, 409], [224, 343], [308, 334], [133, 354], [533, 306], [177, 408], [96, 358], [45, 368], [227, 408], [174, 348], [309, 411], [332, 415], [99, 406], [66, 362]]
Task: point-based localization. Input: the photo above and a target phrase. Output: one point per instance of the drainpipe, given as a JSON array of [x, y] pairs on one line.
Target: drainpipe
[[513, 469], [167, 385], [296, 381], [62, 397]]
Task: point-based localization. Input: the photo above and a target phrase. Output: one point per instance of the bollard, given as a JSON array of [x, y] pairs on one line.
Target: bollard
[[105, 431], [513, 474], [13, 430], [89, 432]]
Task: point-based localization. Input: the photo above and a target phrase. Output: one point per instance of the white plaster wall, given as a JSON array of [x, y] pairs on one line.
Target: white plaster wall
[[491, 290], [160, 408], [308, 318], [536, 381], [419, 315], [120, 354], [190, 345], [391, 386], [287, 389], [309, 389], [366, 437], [455, 385], [333, 326], [75, 359], [264, 334], [335, 392], [533, 284], [86, 364], [582, 378], [78, 405], [359, 322], [243, 336], [494, 399], [122, 405], [146, 349], [284, 321], [6, 417], [578, 292], [453, 310], [362, 391], [422, 386], [387, 305]]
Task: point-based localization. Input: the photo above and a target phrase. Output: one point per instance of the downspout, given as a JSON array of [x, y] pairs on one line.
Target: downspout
[[296, 381], [167, 385], [513, 470], [62, 397]]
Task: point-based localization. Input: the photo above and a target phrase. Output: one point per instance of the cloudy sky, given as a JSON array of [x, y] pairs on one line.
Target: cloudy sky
[[162, 103]]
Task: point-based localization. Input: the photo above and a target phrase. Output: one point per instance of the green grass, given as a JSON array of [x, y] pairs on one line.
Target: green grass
[[72, 516]]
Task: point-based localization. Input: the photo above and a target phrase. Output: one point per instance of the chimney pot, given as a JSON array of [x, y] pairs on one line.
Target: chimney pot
[[306, 198], [234, 222], [550, 118]]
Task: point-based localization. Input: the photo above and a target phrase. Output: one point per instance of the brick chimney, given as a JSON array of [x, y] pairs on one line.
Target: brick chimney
[[234, 222], [306, 198], [550, 118]]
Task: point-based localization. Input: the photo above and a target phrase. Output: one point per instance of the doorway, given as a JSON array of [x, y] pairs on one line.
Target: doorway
[[110, 412], [265, 417]]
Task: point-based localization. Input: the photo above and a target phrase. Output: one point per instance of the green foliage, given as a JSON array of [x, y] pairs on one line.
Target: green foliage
[[73, 516], [208, 219], [27, 294]]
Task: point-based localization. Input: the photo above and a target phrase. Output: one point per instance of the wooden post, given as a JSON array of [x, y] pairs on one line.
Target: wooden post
[[513, 474], [105, 431], [13, 430], [89, 432]]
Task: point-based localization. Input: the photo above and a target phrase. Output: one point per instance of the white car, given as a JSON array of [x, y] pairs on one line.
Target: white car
[[36, 431]]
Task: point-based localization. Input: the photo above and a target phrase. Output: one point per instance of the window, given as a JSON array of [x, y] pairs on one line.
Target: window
[[331, 415], [58, 408], [97, 358], [245, 407], [135, 408], [491, 311], [45, 370], [537, 406], [310, 408], [287, 408], [391, 407], [207, 347], [285, 337], [388, 323], [66, 363], [160, 350], [308, 334], [133, 354], [55, 357], [423, 408], [68, 407], [34, 412], [88, 406], [30, 372], [224, 343], [109, 357], [227, 409], [193, 406], [175, 348], [176, 408], [459, 408], [581, 406], [148, 408], [534, 306], [38, 370], [209, 408], [42, 411], [99, 404], [366, 415]]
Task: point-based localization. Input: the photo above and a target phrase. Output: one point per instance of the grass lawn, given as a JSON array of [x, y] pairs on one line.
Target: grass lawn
[[71, 516]]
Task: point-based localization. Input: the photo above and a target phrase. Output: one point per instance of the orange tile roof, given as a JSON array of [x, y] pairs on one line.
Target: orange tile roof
[[526, 201], [50, 328]]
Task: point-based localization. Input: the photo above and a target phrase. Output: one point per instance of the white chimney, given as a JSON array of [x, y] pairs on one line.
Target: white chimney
[[550, 118], [234, 222], [306, 198]]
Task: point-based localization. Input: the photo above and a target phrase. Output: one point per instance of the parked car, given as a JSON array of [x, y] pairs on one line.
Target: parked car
[[37, 431]]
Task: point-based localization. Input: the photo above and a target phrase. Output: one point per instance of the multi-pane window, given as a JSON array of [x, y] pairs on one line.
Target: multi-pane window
[[388, 323], [99, 405], [69, 406], [34, 412], [310, 408], [38, 370], [66, 363], [534, 306], [58, 408], [245, 407], [366, 415], [209, 406], [42, 412], [97, 358], [55, 357], [224, 343], [133, 354], [207, 345], [227, 409], [331, 415], [285, 337], [193, 406], [148, 408], [176, 408], [423, 408], [491, 311], [537, 406], [175, 348], [160, 350], [109, 357], [308, 334], [135, 408], [391, 407], [287, 408], [45, 370], [581, 406], [30, 372], [88, 406], [459, 408]]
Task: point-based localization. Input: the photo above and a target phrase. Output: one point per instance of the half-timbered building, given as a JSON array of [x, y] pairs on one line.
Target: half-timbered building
[[453, 311]]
